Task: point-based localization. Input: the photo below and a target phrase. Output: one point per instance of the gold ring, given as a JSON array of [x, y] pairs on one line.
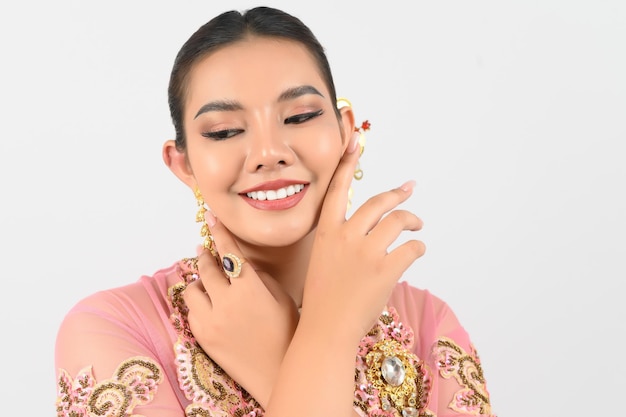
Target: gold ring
[[231, 264]]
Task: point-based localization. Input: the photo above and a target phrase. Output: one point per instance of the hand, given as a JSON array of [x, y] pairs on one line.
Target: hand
[[351, 273], [245, 324]]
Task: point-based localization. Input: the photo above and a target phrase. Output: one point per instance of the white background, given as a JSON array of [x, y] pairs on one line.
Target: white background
[[509, 115]]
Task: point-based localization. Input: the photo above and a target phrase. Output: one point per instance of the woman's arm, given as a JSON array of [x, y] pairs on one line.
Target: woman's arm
[[103, 361], [350, 278]]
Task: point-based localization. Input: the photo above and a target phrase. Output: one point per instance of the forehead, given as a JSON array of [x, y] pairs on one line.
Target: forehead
[[256, 67]]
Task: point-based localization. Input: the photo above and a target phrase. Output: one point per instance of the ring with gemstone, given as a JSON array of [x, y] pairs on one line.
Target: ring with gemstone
[[232, 265]]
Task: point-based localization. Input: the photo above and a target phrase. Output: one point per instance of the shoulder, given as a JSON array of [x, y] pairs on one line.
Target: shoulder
[[147, 293], [429, 316], [413, 301], [458, 383], [114, 347], [103, 328]]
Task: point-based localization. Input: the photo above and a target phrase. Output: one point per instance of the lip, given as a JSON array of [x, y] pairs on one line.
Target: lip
[[282, 204]]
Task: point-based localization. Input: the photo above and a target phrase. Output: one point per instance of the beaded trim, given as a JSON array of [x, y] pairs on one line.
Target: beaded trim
[[134, 383], [453, 362], [391, 381], [212, 391]]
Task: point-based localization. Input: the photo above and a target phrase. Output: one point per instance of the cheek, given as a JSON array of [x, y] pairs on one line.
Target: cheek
[[213, 169], [322, 156]]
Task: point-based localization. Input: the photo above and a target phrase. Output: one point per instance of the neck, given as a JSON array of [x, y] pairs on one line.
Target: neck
[[286, 265]]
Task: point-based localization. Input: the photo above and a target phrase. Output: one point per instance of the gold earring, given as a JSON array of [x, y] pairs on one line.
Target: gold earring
[[365, 126], [205, 232], [358, 172], [343, 102]]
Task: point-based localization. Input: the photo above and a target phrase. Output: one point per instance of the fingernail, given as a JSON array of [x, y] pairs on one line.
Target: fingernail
[[354, 142], [408, 186], [210, 218]]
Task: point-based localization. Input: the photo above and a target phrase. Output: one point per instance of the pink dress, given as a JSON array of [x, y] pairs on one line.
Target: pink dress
[[128, 352]]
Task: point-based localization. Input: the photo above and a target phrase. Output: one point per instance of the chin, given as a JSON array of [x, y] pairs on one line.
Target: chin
[[277, 237]]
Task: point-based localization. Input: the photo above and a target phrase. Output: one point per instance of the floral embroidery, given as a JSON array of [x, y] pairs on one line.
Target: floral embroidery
[[375, 396], [134, 383], [213, 393], [453, 362]]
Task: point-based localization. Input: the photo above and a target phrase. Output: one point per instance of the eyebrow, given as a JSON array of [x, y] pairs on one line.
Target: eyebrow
[[295, 92], [229, 105], [219, 105]]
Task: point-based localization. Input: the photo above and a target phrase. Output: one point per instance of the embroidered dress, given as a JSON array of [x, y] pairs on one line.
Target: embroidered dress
[[128, 352]]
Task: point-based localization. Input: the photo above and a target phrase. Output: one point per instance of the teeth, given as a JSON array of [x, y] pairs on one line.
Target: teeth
[[276, 194]]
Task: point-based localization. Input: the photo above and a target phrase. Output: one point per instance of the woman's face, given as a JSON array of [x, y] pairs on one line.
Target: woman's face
[[263, 139]]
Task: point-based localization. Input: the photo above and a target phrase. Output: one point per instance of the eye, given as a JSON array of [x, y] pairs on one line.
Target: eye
[[303, 117], [222, 134]]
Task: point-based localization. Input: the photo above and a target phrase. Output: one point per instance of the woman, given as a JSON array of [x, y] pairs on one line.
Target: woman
[[289, 308]]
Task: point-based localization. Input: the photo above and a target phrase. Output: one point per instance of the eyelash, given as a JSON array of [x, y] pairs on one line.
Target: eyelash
[[303, 117], [229, 133], [222, 134]]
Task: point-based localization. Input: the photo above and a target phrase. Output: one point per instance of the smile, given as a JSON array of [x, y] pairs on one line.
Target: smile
[[278, 194]]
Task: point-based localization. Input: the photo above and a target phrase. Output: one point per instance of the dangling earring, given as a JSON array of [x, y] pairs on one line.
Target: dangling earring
[[358, 172], [365, 126], [205, 232]]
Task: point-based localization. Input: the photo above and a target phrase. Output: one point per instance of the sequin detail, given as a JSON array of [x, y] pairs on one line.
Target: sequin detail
[[374, 395], [134, 383], [453, 362], [212, 391]]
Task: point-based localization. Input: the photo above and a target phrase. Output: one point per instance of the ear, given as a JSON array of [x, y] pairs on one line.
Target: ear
[[176, 161], [347, 124]]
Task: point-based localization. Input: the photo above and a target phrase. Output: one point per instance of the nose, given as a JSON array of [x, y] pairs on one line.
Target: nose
[[269, 149]]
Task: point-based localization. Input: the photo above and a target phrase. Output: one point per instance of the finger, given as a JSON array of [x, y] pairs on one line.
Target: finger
[[401, 258], [211, 274], [369, 214], [226, 244], [196, 298], [336, 199], [199, 305], [389, 228]]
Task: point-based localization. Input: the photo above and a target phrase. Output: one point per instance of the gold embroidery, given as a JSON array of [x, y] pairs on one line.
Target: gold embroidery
[[454, 362], [390, 379], [134, 383], [197, 411], [206, 383], [375, 332], [110, 396], [212, 392], [191, 272], [202, 371], [360, 404], [241, 412], [403, 394], [386, 319]]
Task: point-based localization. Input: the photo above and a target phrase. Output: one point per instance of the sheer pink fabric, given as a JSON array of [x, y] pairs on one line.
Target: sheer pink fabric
[[115, 348]]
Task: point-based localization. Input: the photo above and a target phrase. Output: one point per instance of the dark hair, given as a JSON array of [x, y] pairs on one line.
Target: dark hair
[[228, 28]]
